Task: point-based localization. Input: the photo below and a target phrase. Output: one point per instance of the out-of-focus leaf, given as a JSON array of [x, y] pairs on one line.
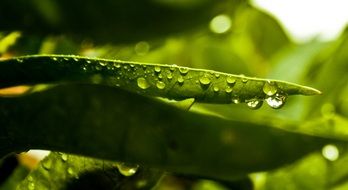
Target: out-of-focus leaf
[[63, 171], [265, 32], [106, 20], [113, 124]]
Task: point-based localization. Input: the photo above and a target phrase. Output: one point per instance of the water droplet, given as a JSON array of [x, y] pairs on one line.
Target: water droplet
[[103, 64], [244, 80], [160, 85], [117, 65], [230, 80], [54, 59], [183, 70], [254, 103], [19, 60], [88, 61], [125, 67], [204, 80], [169, 76], [47, 164], [216, 89], [75, 59], [160, 76], [270, 88], [217, 75], [98, 68], [276, 101], [157, 69], [330, 152], [71, 171], [181, 80], [228, 90], [31, 186], [142, 83], [173, 67], [84, 68], [132, 65], [236, 100], [66, 59], [64, 157], [127, 169]]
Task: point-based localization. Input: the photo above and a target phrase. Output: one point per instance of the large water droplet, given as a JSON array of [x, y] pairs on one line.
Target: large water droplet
[[183, 70], [157, 69], [244, 80], [254, 103], [127, 169], [142, 83], [270, 88], [230, 80], [217, 75], [204, 80], [160, 85], [88, 61], [54, 59], [276, 101]]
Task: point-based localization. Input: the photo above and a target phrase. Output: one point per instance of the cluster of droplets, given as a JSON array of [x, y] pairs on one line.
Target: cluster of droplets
[[274, 98]]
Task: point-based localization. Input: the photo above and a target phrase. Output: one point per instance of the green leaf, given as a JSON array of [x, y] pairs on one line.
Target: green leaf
[[113, 124], [63, 171], [169, 81]]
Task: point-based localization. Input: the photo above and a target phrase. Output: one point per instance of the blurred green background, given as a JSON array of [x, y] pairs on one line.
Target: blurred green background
[[231, 36]]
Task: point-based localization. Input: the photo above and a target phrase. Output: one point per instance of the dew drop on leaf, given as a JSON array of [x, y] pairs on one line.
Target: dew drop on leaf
[[71, 171], [183, 70], [157, 69], [217, 75], [228, 90], [244, 80], [31, 186], [142, 83], [330, 152], [181, 80], [117, 65], [160, 85], [102, 64], [169, 76], [204, 80], [64, 157], [54, 59], [216, 89], [127, 169], [276, 101], [236, 100], [270, 88], [230, 80], [254, 103]]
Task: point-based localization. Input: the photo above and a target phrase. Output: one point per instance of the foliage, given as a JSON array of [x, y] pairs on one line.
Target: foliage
[[107, 128]]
